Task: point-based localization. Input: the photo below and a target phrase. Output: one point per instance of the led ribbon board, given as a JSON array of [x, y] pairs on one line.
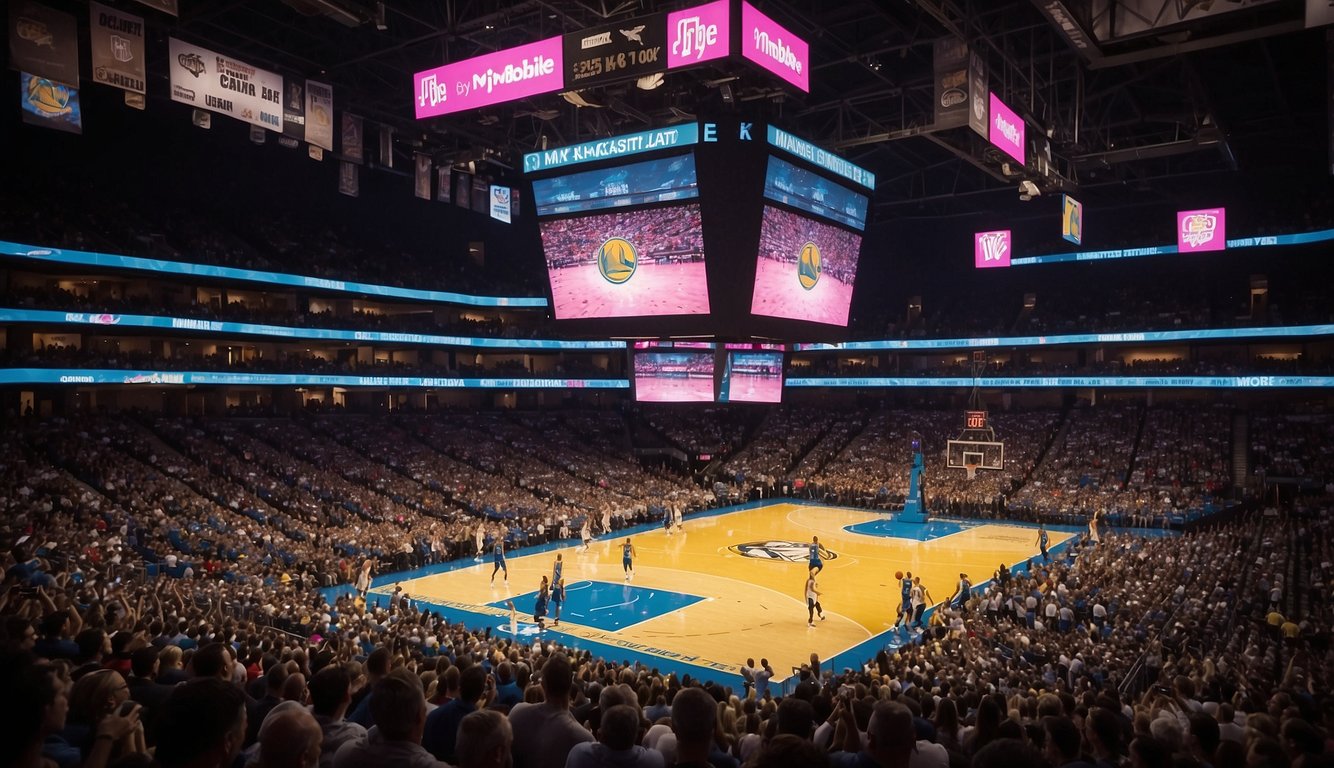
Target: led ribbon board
[[116, 261], [224, 378]]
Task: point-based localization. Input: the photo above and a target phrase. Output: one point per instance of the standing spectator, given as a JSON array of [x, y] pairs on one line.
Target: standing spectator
[[485, 740], [442, 725], [330, 694], [615, 747], [203, 725]]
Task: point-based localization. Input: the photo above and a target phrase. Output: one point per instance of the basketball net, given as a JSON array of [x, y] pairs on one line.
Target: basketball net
[[971, 469]]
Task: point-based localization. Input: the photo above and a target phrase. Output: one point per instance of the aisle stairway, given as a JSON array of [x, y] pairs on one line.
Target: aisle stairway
[[1241, 449]]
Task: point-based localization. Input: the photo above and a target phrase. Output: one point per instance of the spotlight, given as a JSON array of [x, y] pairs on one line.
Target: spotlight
[[1028, 190]]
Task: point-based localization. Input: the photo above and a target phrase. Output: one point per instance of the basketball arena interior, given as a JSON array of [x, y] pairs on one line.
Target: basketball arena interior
[[571, 383]]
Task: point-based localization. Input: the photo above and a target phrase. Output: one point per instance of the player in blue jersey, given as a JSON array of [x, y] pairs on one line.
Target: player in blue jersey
[[628, 559], [498, 557], [961, 594], [1042, 542], [816, 564], [540, 605], [557, 597], [905, 598], [558, 569]]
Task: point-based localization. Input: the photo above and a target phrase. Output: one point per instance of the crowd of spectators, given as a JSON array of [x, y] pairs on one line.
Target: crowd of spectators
[[1209, 649], [1294, 444]]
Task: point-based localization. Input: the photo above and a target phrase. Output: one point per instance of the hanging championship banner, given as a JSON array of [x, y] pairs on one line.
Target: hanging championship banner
[[208, 80], [500, 203], [315, 153], [49, 104], [43, 42], [294, 108], [951, 81], [978, 95], [166, 6], [319, 114], [118, 48], [617, 51], [442, 188], [349, 181], [423, 186], [352, 139], [463, 190], [481, 195]]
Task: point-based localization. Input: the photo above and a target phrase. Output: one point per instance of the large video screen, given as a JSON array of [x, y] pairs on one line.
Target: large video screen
[[805, 269], [627, 263], [652, 181], [674, 377], [800, 188], [752, 377]]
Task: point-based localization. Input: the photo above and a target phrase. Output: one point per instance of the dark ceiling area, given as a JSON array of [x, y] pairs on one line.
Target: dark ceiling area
[[1141, 99]]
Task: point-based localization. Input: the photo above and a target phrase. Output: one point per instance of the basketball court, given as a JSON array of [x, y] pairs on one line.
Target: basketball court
[[729, 585], [778, 293], [678, 288]]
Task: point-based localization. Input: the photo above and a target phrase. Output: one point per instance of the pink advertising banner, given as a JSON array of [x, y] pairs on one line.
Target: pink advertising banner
[[514, 73], [991, 249], [1007, 130], [1202, 230], [774, 48], [698, 34]]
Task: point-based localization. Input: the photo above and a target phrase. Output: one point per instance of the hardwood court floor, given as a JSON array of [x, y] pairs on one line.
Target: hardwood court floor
[[751, 606]]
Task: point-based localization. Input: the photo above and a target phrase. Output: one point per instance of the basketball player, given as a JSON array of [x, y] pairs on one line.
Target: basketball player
[[1093, 525], [919, 597], [813, 600], [540, 605], [498, 557], [1042, 542], [363, 584], [585, 535], [905, 601], [628, 559], [479, 537], [514, 618], [606, 521], [960, 596], [557, 569], [667, 520], [816, 564], [557, 597]]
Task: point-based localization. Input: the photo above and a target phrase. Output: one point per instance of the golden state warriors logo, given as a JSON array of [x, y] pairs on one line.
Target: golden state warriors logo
[[47, 98], [617, 260], [809, 266], [788, 551]]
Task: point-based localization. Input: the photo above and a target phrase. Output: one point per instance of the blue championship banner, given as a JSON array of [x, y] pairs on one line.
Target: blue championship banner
[[49, 104]]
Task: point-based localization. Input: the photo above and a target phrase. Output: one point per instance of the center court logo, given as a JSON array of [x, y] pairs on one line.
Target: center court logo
[[809, 265], [790, 551], [617, 260]]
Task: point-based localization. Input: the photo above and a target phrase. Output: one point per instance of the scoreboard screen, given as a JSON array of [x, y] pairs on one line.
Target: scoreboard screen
[[674, 377], [752, 377], [805, 268]]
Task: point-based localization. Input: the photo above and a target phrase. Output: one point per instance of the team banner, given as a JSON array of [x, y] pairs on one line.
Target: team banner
[[951, 83], [1072, 219], [294, 108], [118, 48], [610, 52], [319, 114], [500, 203], [49, 104], [423, 186], [349, 179], [166, 6], [442, 188], [353, 145], [209, 80], [978, 95], [463, 190], [44, 42], [481, 195]]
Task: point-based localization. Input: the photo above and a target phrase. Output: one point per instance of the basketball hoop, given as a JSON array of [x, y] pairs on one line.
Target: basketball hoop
[[971, 469]]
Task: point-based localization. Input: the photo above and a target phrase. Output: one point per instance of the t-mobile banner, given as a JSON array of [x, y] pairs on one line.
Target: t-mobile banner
[[774, 48], [514, 73], [1202, 230], [991, 249], [1007, 130], [698, 34]]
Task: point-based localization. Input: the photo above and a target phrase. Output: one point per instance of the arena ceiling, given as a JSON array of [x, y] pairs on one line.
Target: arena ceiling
[[1139, 97]]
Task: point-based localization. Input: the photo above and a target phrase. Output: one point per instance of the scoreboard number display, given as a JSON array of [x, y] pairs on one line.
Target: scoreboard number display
[[623, 50]]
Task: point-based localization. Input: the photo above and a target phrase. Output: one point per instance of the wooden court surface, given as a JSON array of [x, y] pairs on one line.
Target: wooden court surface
[[752, 607]]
